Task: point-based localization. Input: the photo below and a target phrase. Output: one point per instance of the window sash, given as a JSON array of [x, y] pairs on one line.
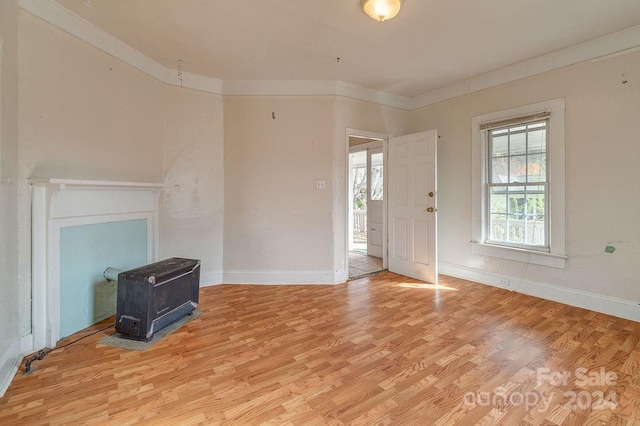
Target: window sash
[[490, 129], [489, 212]]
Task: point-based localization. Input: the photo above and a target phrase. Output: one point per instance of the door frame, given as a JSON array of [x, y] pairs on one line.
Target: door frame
[[384, 137]]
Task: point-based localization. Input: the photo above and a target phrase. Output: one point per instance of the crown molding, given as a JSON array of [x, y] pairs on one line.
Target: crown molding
[[619, 43], [622, 42], [314, 88], [279, 87], [364, 94], [192, 81]]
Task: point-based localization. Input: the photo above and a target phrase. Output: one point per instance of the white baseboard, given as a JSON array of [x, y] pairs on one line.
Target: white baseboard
[[208, 279], [284, 277], [340, 276], [9, 363], [582, 299]]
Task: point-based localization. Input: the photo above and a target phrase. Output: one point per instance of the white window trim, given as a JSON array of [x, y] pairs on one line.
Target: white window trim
[[556, 257]]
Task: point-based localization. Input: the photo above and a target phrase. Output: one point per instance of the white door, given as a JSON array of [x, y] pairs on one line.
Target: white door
[[375, 220], [412, 206]]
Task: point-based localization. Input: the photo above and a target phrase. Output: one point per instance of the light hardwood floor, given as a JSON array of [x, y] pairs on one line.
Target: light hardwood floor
[[381, 350]]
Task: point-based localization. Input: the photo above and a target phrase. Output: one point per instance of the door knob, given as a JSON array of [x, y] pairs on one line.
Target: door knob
[[431, 210]]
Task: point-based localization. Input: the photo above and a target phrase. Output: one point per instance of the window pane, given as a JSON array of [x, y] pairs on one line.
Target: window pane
[[500, 170], [518, 143], [498, 200], [536, 226], [516, 201], [536, 168], [499, 146], [516, 229], [535, 201], [535, 231], [498, 227], [518, 169], [537, 141], [376, 177]]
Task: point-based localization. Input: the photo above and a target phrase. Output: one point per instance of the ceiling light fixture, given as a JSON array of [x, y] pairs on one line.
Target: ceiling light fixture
[[381, 10]]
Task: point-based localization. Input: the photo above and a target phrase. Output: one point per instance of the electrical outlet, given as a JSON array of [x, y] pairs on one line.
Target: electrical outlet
[[505, 283], [321, 184]]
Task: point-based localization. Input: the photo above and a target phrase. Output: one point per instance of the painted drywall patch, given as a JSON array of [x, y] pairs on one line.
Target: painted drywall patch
[[188, 195]]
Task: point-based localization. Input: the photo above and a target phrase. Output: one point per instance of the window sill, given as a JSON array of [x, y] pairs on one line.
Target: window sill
[[520, 255]]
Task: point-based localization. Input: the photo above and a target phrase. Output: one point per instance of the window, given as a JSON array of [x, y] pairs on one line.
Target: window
[[518, 191], [377, 176], [517, 185]]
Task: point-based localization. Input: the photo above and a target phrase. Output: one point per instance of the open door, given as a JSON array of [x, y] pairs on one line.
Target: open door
[[412, 206], [375, 203]]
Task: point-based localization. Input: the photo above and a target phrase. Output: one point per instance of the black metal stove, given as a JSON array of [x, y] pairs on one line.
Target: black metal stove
[[156, 295]]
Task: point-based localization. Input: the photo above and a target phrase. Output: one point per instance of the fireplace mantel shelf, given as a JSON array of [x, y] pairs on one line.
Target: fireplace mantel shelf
[[77, 183]]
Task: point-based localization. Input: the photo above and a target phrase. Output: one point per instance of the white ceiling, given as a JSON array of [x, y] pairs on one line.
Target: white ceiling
[[429, 45]]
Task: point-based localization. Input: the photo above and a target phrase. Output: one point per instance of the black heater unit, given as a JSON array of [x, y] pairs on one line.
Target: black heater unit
[[156, 295]]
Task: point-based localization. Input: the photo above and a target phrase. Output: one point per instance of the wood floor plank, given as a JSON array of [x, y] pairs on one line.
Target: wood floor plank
[[385, 349]]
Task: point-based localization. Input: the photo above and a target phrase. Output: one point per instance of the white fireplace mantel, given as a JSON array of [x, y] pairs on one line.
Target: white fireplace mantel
[[58, 203]]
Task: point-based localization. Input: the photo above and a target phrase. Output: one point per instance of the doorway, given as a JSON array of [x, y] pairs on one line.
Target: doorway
[[409, 211], [366, 232]]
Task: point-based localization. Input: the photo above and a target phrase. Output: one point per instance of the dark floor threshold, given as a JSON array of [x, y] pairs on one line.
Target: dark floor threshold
[[368, 274]]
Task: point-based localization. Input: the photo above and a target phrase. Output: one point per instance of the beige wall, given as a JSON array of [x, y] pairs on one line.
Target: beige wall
[[9, 288], [83, 114], [602, 152], [192, 204], [275, 218]]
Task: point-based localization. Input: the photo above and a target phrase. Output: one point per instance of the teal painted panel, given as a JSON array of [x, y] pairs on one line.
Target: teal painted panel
[[85, 252]]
